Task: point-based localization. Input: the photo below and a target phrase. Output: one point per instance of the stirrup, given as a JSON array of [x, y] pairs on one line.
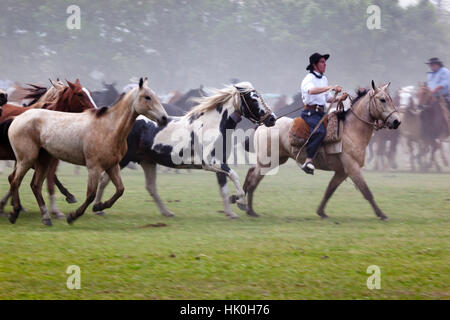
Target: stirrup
[[308, 167]]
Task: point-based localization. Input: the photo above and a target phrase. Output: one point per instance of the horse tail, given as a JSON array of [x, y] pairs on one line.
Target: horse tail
[[247, 179], [4, 127]]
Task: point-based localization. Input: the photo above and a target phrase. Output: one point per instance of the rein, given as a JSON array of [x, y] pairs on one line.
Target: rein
[[375, 124], [253, 117]]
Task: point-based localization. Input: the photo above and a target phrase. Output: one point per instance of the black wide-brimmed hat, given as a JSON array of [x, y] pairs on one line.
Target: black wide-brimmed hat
[[314, 59], [434, 61]]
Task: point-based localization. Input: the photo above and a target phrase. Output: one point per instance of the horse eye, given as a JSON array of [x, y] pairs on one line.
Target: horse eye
[[383, 100], [79, 94], [148, 98]]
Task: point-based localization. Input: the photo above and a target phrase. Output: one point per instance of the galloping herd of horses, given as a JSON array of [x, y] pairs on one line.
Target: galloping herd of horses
[[64, 122]]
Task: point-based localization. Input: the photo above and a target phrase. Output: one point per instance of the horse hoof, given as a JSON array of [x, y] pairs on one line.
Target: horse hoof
[[323, 215], [12, 218], [70, 219], [58, 215], [252, 213], [384, 218], [71, 199], [232, 216], [47, 222], [233, 198], [97, 207], [168, 214], [100, 213], [242, 206]]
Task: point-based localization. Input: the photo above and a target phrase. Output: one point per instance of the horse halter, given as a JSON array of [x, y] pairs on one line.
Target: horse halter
[[253, 117], [375, 123]]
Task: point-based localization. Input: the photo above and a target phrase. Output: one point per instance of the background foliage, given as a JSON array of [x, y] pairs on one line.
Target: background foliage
[[182, 44]]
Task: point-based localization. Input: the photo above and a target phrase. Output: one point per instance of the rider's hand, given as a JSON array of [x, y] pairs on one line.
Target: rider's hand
[[343, 97], [337, 88]]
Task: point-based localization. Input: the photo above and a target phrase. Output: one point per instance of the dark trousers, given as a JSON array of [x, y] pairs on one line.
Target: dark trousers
[[312, 118]]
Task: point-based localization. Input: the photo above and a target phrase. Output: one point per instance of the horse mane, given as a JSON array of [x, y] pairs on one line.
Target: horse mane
[[34, 92], [360, 93], [102, 111], [220, 97]]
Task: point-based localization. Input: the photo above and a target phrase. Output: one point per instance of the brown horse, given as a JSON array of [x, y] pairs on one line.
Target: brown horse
[[71, 98], [94, 138], [435, 123], [358, 128]]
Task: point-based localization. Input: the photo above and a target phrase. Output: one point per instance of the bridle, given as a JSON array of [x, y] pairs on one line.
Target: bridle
[[375, 123], [254, 118]]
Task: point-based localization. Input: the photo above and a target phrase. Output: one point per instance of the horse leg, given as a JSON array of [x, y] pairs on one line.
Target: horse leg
[[411, 155], [230, 173], [70, 198], [104, 180], [15, 179], [150, 184], [354, 172], [114, 175], [93, 178], [361, 184], [51, 189], [41, 168], [3, 202], [335, 182], [222, 180], [435, 146], [252, 180], [444, 158]]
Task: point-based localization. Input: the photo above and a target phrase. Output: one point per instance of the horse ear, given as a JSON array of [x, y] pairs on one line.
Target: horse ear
[[77, 81], [141, 83], [373, 86], [71, 85], [386, 86]]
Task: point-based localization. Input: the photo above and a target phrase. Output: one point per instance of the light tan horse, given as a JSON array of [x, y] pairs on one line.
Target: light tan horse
[[94, 138], [358, 128]]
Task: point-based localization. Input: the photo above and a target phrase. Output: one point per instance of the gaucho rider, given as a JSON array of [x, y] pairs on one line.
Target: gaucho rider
[[438, 78], [315, 95]]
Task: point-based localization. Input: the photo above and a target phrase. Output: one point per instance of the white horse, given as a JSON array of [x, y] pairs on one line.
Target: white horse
[[183, 142]]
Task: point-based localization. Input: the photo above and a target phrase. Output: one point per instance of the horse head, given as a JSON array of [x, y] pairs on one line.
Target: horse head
[[253, 106], [147, 103], [424, 96], [3, 98], [381, 106], [75, 98]]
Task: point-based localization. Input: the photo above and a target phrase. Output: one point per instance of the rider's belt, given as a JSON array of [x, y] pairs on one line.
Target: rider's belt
[[315, 107]]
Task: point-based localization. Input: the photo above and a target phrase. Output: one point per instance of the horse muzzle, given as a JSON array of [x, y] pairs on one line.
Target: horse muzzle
[[270, 120], [394, 122], [162, 121]]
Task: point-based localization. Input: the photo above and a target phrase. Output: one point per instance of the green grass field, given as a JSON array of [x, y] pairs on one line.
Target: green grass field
[[287, 253]]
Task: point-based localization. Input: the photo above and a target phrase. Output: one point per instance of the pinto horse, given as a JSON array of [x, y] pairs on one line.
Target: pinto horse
[[94, 138], [71, 98], [208, 121], [358, 128]]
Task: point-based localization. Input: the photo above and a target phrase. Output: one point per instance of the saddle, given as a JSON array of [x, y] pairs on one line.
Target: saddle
[[300, 132]]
